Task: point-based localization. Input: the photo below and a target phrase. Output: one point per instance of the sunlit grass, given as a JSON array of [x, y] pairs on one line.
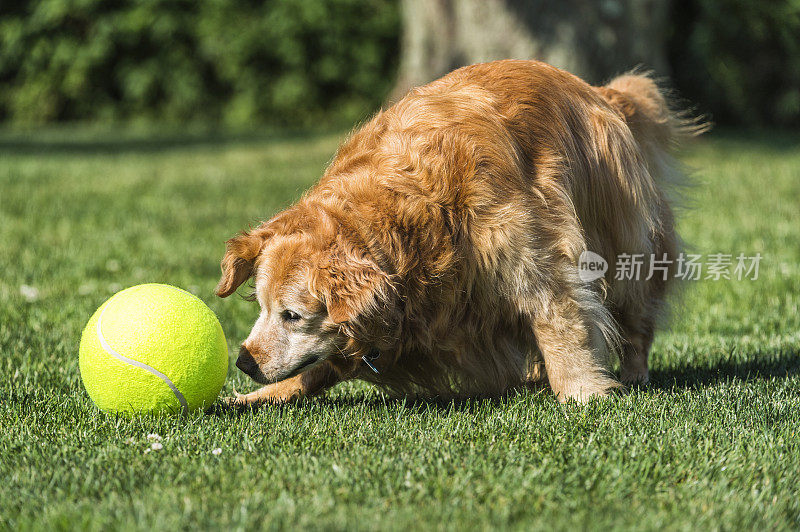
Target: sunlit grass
[[712, 443]]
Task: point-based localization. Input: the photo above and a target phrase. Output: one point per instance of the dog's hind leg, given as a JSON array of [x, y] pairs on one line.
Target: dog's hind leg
[[638, 322], [639, 309], [310, 382], [635, 351]]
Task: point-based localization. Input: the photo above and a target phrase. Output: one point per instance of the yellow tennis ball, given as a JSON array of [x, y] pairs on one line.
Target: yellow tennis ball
[[153, 348]]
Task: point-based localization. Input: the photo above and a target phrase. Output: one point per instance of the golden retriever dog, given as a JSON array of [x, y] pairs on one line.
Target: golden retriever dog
[[439, 253]]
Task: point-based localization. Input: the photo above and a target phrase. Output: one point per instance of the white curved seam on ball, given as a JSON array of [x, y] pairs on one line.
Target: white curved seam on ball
[[110, 350]]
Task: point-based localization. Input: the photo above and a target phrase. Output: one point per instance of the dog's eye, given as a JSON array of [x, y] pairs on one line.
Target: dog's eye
[[289, 315]]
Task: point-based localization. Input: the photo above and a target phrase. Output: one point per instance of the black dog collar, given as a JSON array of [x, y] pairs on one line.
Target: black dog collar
[[370, 357]]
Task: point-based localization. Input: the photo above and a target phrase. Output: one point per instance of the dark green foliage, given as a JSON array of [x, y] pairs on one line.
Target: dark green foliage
[[229, 61], [739, 59], [302, 62]]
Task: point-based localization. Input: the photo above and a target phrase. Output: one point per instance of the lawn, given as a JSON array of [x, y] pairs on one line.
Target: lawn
[[712, 443]]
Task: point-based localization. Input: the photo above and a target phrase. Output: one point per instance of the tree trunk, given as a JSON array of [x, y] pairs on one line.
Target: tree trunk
[[594, 39]]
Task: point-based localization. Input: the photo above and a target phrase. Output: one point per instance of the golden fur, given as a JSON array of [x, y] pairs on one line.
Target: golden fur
[[445, 235]]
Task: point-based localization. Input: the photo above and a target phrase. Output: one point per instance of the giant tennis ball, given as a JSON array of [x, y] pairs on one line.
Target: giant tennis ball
[[153, 348]]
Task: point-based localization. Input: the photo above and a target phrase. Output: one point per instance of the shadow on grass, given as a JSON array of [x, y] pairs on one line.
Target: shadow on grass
[[783, 364], [758, 366], [122, 142], [411, 404]]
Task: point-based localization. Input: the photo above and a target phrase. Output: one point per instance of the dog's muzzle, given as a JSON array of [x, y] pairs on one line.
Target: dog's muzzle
[[246, 362]]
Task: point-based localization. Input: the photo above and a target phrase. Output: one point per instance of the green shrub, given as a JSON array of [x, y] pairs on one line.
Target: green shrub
[[739, 59], [302, 62], [231, 61]]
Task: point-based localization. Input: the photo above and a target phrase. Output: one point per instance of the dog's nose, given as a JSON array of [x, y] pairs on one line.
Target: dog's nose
[[246, 362]]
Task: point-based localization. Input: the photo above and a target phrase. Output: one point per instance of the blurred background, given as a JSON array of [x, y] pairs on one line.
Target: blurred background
[[328, 63]]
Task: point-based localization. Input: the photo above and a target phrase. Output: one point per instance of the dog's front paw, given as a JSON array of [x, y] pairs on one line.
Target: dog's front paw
[[278, 393], [585, 390], [237, 399]]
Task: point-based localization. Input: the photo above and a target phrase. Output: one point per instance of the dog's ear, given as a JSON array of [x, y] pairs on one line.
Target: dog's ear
[[238, 263], [356, 290], [354, 287]]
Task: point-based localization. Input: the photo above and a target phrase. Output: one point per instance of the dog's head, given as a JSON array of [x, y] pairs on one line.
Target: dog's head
[[320, 296]]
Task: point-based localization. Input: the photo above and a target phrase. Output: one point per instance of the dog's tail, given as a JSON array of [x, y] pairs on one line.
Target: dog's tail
[[648, 111], [658, 125]]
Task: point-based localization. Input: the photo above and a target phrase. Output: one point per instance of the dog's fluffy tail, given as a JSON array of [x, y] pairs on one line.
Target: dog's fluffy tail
[[648, 111], [658, 126]]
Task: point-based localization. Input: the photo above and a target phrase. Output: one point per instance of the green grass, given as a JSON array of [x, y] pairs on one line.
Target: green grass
[[712, 443]]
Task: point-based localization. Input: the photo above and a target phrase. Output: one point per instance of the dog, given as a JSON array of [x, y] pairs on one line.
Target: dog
[[438, 254]]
